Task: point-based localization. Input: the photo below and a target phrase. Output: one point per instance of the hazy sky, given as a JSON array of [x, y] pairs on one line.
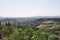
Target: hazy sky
[[27, 8]]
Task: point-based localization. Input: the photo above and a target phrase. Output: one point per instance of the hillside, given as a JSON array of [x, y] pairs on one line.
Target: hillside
[[30, 28]]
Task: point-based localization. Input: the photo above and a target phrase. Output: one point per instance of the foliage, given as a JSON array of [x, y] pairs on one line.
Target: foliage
[[25, 31]]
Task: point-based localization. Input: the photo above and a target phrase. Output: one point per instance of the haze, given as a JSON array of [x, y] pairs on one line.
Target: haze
[[28, 8]]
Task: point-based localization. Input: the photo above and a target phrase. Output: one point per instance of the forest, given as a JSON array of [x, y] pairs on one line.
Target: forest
[[37, 29]]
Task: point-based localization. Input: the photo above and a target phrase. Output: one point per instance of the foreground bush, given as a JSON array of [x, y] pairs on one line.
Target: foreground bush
[[29, 34]]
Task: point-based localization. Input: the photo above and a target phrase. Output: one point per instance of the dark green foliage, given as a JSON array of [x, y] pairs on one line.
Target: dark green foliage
[[30, 34], [26, 31]]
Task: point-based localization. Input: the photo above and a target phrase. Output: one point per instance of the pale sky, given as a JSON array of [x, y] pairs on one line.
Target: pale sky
[[28, 8]]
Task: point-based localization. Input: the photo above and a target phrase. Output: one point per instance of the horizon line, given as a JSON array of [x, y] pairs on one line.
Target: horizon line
[[26, 16]]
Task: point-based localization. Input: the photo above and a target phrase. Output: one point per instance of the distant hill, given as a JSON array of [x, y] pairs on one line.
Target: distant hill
[[24, 19]]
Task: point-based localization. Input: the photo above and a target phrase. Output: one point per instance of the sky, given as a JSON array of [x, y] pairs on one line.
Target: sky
[[28, 8]]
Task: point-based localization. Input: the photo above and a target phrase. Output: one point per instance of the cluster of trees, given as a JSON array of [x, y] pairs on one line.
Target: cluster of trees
[[20, 33], [26, 31]]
